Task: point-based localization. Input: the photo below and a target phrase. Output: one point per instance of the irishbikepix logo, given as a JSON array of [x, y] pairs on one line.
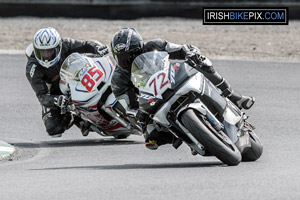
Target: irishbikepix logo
[[245, 16]]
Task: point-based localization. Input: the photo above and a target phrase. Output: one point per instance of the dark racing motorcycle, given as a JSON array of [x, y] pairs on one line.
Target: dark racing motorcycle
[[179, 99]]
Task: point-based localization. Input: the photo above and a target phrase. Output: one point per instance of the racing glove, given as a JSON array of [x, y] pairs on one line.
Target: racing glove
[[61, 101], [194, 58], [102, 50]]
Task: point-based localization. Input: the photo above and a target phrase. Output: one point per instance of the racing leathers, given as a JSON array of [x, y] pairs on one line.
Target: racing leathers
[[45, 82], [123, 88], [121, 83]]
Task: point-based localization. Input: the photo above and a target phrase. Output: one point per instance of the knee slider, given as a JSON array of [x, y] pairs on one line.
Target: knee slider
[[54, 127]]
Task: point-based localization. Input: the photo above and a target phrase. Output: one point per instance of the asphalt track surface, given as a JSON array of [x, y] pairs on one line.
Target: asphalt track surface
[[93, 167]]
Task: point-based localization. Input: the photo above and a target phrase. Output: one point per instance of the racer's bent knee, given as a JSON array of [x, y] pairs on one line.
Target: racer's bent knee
[[54, 127]]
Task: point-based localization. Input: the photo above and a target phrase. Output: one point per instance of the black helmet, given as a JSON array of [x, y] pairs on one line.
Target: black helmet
[[126, 45]]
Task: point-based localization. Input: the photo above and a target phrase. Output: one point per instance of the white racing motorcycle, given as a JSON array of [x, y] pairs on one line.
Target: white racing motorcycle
[[86, 80], [179, 99]]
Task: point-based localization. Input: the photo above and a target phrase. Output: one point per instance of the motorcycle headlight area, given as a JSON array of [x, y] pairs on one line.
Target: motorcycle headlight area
[[68, 76]]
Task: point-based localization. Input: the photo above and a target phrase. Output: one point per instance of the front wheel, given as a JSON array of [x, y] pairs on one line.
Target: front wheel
[[218, 144]]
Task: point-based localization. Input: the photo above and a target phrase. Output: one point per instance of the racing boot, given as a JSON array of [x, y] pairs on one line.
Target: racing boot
[[156, 139], [84, 126], [244, 102], [241, 101], [151, 137], [151, 144]]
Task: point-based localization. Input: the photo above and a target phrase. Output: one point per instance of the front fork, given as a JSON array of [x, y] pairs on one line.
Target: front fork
[[237, 131], [199, 107]]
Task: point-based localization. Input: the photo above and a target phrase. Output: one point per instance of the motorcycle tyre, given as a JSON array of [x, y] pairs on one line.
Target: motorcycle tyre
[[228, 154], [255, 151]]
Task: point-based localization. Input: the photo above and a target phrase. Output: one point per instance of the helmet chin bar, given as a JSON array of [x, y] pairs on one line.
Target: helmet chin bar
[[48, 64]]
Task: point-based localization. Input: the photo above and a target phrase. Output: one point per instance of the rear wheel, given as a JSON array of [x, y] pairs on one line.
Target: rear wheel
[[218, 144], [256, 149]]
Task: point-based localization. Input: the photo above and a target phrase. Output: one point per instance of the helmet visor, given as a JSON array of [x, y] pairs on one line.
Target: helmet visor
[[46, 54], [125, 59]]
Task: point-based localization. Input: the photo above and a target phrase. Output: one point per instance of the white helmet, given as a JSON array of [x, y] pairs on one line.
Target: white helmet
[[47, 46]]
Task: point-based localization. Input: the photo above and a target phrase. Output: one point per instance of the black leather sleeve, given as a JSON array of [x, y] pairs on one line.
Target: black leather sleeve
[[38, 84], [176, 51], [121, 84], [121, 81], [80, 46], [156, 44]]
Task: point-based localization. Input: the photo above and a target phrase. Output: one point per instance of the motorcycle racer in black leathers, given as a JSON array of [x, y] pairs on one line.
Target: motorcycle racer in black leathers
[[127, 44], [45, 55]]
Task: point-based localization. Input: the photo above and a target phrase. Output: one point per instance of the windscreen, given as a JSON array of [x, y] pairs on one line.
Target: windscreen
[[146, 65], [74, 67]]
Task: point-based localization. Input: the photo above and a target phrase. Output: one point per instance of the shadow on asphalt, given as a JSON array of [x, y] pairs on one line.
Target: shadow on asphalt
[[143, 166], [74, 143]]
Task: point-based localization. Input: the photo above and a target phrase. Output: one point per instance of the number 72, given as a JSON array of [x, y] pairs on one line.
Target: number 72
[[160, 84]]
